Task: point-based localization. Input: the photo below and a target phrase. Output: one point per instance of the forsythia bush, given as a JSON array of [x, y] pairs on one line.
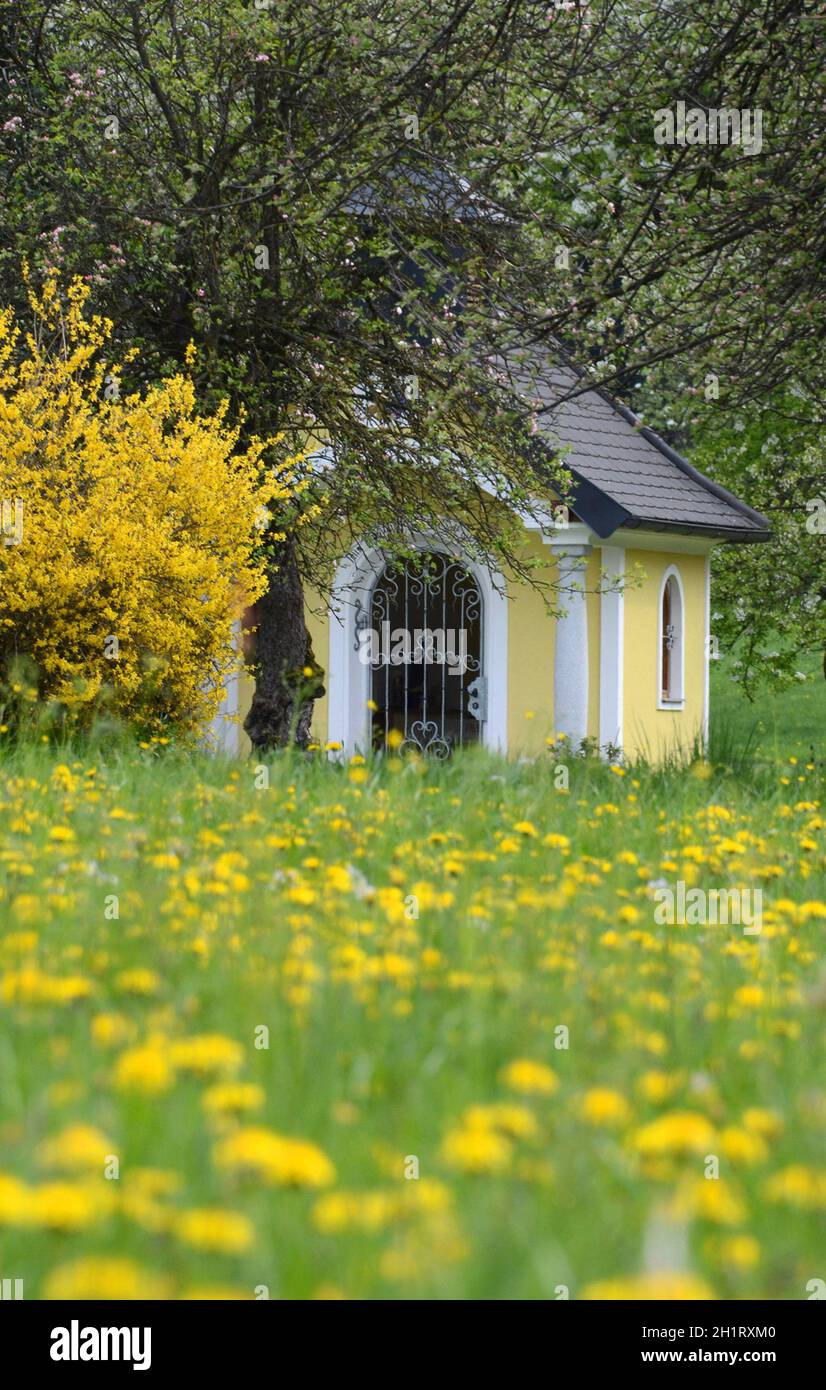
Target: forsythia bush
[[130, 535]]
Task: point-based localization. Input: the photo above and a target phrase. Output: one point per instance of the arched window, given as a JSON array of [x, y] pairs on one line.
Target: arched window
[[672, 652]]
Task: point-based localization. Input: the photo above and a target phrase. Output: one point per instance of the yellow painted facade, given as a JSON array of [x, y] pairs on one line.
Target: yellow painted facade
[[647, 729]]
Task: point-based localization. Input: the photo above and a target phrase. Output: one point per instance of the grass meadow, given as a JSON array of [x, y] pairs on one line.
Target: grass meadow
[[407, 1030]]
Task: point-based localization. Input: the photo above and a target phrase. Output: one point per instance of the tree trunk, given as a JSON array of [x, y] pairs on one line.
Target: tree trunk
[[282, 705]]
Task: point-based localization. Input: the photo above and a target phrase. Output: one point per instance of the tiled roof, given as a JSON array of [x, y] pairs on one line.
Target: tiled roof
[[628, 463]]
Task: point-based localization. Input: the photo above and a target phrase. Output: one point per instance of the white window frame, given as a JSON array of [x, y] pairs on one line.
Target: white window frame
[[677, 702]]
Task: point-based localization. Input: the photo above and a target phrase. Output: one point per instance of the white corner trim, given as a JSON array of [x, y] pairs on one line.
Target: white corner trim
[[671, 572], [573, 537], [571, 674], [612, 650], [348, 678], [223, 734]]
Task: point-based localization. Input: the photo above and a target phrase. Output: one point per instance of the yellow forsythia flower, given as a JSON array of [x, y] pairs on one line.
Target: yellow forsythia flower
[[138, 528]]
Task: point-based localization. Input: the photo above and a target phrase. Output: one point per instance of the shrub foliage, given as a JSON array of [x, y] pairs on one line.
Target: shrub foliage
[[130, 527]]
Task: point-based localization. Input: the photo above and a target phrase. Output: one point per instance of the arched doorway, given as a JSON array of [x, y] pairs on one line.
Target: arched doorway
[[423, 638], [350, 721]]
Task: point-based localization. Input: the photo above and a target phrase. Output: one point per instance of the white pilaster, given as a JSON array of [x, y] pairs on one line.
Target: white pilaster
[[571, 652], [223, 733], [611, 649]]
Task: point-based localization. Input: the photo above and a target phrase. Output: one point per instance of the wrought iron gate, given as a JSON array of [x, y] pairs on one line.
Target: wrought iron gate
[[427, 682]]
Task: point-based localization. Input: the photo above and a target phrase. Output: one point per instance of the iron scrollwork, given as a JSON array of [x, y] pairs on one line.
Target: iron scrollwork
[[427, 681], [426, 738]]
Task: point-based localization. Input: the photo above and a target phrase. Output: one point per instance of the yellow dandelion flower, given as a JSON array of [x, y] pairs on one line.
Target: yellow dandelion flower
[[556, 841], [27, 908], [361, 1211], [64, 1206], [302, 894], [767, 1123], [138, 981], [155, 1182], [750, 996], [77, 1148], [104, 1278], [603, 1106], [642, 1287], [13, 1195], [741, 1252], [680, 1132], [233, 1097], [145, 1070], [658, 1086], [110, 1030], [213, 1293], [214, 1230], [708, 1199], [275, 1158], [514, 1120], [798, 1186], [206, 1054], [477, 1150], [742, 1145], [529, 1077], [164, 860]]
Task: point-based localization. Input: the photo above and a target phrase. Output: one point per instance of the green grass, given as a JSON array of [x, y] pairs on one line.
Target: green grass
[[777, 724], [289, 906]]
